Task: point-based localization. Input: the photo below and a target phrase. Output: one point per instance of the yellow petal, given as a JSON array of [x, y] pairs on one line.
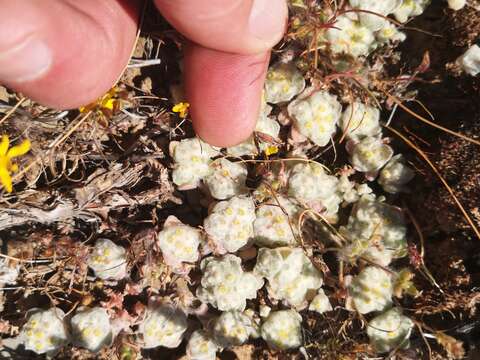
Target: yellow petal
[[19, 150], [109, 104], [4, 145], [271, 150], [6, 180]]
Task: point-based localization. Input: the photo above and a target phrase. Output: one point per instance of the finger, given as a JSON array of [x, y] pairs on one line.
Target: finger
[[237, 26], [65, 53], [224, 91]]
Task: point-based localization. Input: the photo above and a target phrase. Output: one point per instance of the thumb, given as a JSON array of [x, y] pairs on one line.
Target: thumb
[[235, 26]]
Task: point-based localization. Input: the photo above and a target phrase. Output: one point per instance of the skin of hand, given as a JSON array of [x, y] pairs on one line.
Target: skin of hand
[[67, 53]]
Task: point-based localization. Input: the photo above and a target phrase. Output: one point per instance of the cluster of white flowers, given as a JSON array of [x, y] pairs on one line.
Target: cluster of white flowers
[[179, 243], [284, 81], [370, 155], [230, 225], [108, 260], [233, 328], [395, 175], [225, 285], [470, 60], [371, 290], [409, 9], [201, 347], [283, 329], [164, 325], [309, 184], [390, 330], [375, 231], [91, 328], [359, 121], [226, 179], [192, 159], [315, 116], [291, 275], [275, 223], [45, 331]]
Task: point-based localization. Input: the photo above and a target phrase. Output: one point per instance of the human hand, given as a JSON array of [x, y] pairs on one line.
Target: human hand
[[67, 53]]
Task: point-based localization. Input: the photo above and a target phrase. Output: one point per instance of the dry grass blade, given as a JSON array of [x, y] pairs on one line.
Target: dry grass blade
[[444, 182], [421, 118], [12, 110]]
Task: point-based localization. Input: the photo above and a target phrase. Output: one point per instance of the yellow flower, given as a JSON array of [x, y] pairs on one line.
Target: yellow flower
[[271, 150], [181, 108], [106, 102], [6, 156]]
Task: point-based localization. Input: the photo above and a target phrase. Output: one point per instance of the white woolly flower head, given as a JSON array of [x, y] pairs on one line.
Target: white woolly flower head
[[44, 331], [395, 175], [283, 329], [275, 223], [316, 116], [291, 275], [233, 328], [9, 271], [225, 285], [230, 225], [309, 184], [360, 120], [470, 61], [320, 303], [349, 36], [283, 82], [370, 155], [164, 325], [201, 347], [91, 328], [192, 158], [371, 290], [179, 243], [457, 4], [390, 330], [226, 179], [410, 8], [373, 21], [389, 33], [376, 231], [108, 260]]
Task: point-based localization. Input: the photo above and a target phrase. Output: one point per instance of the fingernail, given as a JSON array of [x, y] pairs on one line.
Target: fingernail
[[26, 61], [267, 20]]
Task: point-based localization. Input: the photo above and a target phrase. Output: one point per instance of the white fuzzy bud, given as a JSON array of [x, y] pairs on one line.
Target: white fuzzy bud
[[395, 175], [410, 8], [373, 21], [283, 82], [457, 4], [349, 36], [370, 155], [233, 328], [470, 61], [291, 275], [283, 329], [230, 225], [201, 346], [108, 260], [316, 116], [91, 328], [371, 290], [164, 325], [8, 271], [225, 285], [320, 303], [226, 179], [390, 330], [192, 158], [179, 243], [275, 223], [360, 120], [44, 331]]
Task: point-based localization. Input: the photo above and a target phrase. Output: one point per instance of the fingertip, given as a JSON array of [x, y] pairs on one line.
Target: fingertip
[[224, 91]]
